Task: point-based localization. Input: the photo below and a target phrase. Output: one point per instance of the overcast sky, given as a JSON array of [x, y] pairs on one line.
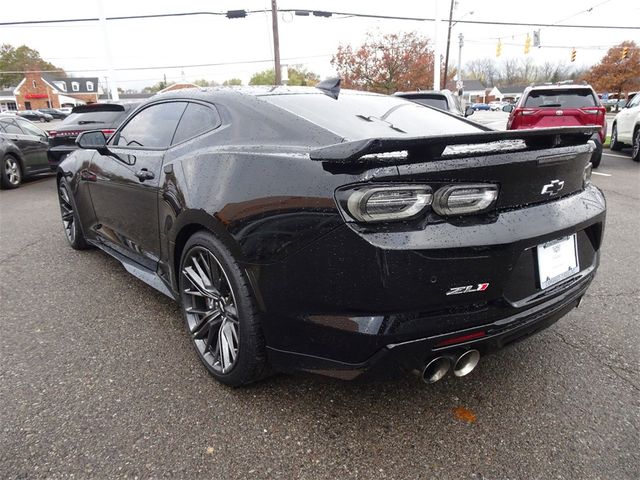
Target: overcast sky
[[309, 41]]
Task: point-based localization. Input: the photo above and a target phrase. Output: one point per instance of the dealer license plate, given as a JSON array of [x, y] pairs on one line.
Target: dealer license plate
[[557, 260]]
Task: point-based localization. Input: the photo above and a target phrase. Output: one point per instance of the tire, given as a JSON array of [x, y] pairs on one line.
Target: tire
[[220, 312], [69, 215], [43, 120], [614, 144], [635, 152], [10, 173], [596, 157]]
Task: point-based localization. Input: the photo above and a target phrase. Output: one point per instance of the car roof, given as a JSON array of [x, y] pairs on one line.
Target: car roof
[[556, 86]]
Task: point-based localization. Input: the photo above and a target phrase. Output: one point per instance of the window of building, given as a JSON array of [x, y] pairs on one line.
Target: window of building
[[35, 85], [75, 86], [90, 86]]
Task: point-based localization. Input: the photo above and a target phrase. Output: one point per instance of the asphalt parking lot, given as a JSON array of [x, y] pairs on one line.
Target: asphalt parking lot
[[98, 379]]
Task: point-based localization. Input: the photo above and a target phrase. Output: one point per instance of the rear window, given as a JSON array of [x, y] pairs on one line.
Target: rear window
[[93, 117], [561, 98], [436, 102], [360, 115]]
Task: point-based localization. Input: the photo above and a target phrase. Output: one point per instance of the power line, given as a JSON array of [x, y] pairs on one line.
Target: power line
[[168, 67], [316, 13]]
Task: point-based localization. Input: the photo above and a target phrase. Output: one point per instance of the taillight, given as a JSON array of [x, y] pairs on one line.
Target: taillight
[[369, 203], [592, 111], [464, 199], [108, 132], [52, 133], [376, 204], [528, 112]]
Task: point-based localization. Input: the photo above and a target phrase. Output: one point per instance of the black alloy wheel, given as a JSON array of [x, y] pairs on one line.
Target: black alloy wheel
[[613, 143], [635, 152], [11, 174], [69, 218], [219, 312]]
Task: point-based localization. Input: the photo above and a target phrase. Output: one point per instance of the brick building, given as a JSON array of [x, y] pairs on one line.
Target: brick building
[[38, 90]]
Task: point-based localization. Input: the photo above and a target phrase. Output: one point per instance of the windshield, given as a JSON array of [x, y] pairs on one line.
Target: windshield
[[565, 98], [357, 115]]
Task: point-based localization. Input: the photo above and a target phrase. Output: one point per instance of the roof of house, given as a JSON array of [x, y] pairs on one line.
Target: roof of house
[[67, 81], [6, 93], [512, 88], [472, 84]]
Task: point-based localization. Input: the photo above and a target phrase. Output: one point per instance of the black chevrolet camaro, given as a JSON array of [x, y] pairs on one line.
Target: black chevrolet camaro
[[338, 232]]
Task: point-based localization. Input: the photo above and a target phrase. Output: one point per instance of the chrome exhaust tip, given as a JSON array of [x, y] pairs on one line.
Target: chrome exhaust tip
[[436, 369], [466, 363]]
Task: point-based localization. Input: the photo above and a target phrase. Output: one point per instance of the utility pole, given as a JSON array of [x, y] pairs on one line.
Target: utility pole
[[436, 49], [446, 56], [276, 42], [459, 84], [107, 53]]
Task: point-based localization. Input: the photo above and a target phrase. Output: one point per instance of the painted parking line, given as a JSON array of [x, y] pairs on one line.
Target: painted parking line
[[601, 174], [616, 155]]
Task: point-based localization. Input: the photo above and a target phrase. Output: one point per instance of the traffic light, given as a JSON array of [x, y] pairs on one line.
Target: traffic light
[[536, 38], [527, 45], [499, 48], [573, 55], [625, 53]]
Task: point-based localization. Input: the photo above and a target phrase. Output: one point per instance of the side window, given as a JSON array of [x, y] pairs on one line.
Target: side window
[[197, 119], [152, 127], [30, 129], [635, 101], [11, 127]]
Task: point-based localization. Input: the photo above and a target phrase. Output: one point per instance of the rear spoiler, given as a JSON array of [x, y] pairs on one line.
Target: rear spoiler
[[433, 146], [98, 107]]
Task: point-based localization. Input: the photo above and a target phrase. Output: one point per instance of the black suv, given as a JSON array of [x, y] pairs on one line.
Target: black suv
[[96, 116]]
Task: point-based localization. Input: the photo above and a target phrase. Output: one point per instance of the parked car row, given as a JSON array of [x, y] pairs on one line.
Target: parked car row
[[26, 149]]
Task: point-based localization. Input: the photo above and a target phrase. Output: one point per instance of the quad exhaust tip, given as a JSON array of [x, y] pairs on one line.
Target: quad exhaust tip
[[466, 363], [436, 369]]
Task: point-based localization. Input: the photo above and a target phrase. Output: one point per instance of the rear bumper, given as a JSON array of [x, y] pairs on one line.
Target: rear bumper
[[354, 301], [56, 154], [395, 359]]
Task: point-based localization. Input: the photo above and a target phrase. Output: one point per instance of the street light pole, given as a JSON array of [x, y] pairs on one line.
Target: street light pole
[[276, 42], [446, 56], [460, 44]]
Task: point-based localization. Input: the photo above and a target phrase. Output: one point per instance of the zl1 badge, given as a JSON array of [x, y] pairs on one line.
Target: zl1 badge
[[480, 287]]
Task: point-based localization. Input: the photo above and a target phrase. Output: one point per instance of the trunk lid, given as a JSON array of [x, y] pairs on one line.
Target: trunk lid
[[530, 166]]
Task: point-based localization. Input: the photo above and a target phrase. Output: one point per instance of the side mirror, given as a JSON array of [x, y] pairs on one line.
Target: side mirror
[[468, 111], [93, 139], [507, 108]]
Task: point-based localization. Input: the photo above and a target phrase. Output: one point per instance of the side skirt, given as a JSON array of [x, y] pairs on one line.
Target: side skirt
[[149, 277]]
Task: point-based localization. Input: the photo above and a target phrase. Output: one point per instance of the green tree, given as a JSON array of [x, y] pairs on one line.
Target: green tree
[[232, 82], [298, 76], [21, 59]]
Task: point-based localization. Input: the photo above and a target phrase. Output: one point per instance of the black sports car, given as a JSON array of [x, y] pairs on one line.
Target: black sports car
[[339, 232]]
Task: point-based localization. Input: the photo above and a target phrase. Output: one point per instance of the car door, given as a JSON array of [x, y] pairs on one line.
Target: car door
[[37, 141], [29, 145], [123, 183]]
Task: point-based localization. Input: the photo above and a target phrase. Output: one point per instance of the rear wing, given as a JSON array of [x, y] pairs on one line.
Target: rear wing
[[365, 151]]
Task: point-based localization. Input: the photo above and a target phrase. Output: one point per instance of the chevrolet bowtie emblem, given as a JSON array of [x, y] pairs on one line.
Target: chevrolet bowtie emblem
[[552, 188]]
